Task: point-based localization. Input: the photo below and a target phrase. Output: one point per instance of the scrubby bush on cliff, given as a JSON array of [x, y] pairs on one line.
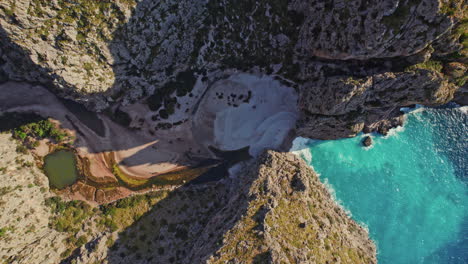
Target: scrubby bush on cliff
[[39, 130], [68, 215]]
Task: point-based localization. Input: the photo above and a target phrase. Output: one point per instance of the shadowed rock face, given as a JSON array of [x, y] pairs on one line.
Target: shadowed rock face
[[350, 54], [148, 64], [366, 29], [276, 209]]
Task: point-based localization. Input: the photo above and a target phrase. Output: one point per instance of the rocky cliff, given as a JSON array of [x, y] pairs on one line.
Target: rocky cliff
[[147, 65], [276, 211], [364, 59], [25, 235]]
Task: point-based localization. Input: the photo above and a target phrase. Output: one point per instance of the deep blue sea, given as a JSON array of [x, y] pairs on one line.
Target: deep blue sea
[[410, 189]]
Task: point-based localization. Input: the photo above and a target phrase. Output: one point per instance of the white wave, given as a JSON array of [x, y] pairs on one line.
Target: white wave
[[412, 109], [463, 109], [339, 203], [369, 147], [300, 148], [394, 131]]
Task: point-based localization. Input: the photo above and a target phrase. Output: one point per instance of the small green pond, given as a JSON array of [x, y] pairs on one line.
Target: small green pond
[[60, 167]]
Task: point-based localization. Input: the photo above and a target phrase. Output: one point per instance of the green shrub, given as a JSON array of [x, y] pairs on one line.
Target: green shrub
[[21, 149], [3, 231], [81, 241], [69, 216], [431, 65], [66, 253], [40, 130]]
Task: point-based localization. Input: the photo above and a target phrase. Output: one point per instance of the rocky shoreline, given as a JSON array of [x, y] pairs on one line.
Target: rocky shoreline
[[146, 86]]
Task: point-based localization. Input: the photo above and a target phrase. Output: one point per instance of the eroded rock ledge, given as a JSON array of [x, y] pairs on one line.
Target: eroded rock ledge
[[363, 59], [275, 211], [352, 63], [289, 217]]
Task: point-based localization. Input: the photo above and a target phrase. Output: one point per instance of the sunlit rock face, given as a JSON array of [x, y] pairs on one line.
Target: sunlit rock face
[[246, 110]]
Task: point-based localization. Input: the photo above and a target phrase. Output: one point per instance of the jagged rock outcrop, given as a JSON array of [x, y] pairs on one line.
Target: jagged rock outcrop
[[117, 52], [347, 105], [290, 217], [98, 50], [68, 40], [364, 29], [275, 211]]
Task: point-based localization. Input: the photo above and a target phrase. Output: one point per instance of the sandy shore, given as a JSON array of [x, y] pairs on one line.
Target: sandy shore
[[242, 111], [137, 154]]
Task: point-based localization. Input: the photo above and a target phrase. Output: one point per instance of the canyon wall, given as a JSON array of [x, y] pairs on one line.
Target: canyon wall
[[363, 59], [352, 65]]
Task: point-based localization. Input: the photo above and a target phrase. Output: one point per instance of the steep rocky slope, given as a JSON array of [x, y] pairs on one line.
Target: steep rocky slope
[[349, 53], [147, 65], [275, 211], [25, 235], [289, 218]]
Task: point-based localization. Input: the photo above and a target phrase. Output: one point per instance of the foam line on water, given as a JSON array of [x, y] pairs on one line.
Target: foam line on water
[[405, 189]]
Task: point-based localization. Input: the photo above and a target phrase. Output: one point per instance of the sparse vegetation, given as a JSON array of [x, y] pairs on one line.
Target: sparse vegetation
[[121, 214], [432, 65], [39, 130], [3, 232], [68, 216], [453, 7], [30, 128]]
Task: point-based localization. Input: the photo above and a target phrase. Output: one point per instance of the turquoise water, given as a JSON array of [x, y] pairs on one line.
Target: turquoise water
[[409, 188]]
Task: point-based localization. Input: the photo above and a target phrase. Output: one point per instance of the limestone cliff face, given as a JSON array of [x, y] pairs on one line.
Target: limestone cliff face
[[351, 104], [348, 53], [290, 217], [25, 235], [363, 29], [275, 211], [353, 64]]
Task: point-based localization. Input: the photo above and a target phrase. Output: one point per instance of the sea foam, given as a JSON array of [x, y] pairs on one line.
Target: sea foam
[[409, 190]]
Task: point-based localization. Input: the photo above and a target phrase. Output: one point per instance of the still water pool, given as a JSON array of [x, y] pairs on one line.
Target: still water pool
[[60, 168]]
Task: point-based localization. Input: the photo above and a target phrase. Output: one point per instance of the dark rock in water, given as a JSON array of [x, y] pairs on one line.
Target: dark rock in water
[[383, 130], [367, 141]]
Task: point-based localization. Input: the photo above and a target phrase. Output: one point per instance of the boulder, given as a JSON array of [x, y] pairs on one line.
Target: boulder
[[367, 141]]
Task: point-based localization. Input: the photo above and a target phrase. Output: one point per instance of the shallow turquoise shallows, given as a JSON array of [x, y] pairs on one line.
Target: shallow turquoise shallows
[[409, 189]]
